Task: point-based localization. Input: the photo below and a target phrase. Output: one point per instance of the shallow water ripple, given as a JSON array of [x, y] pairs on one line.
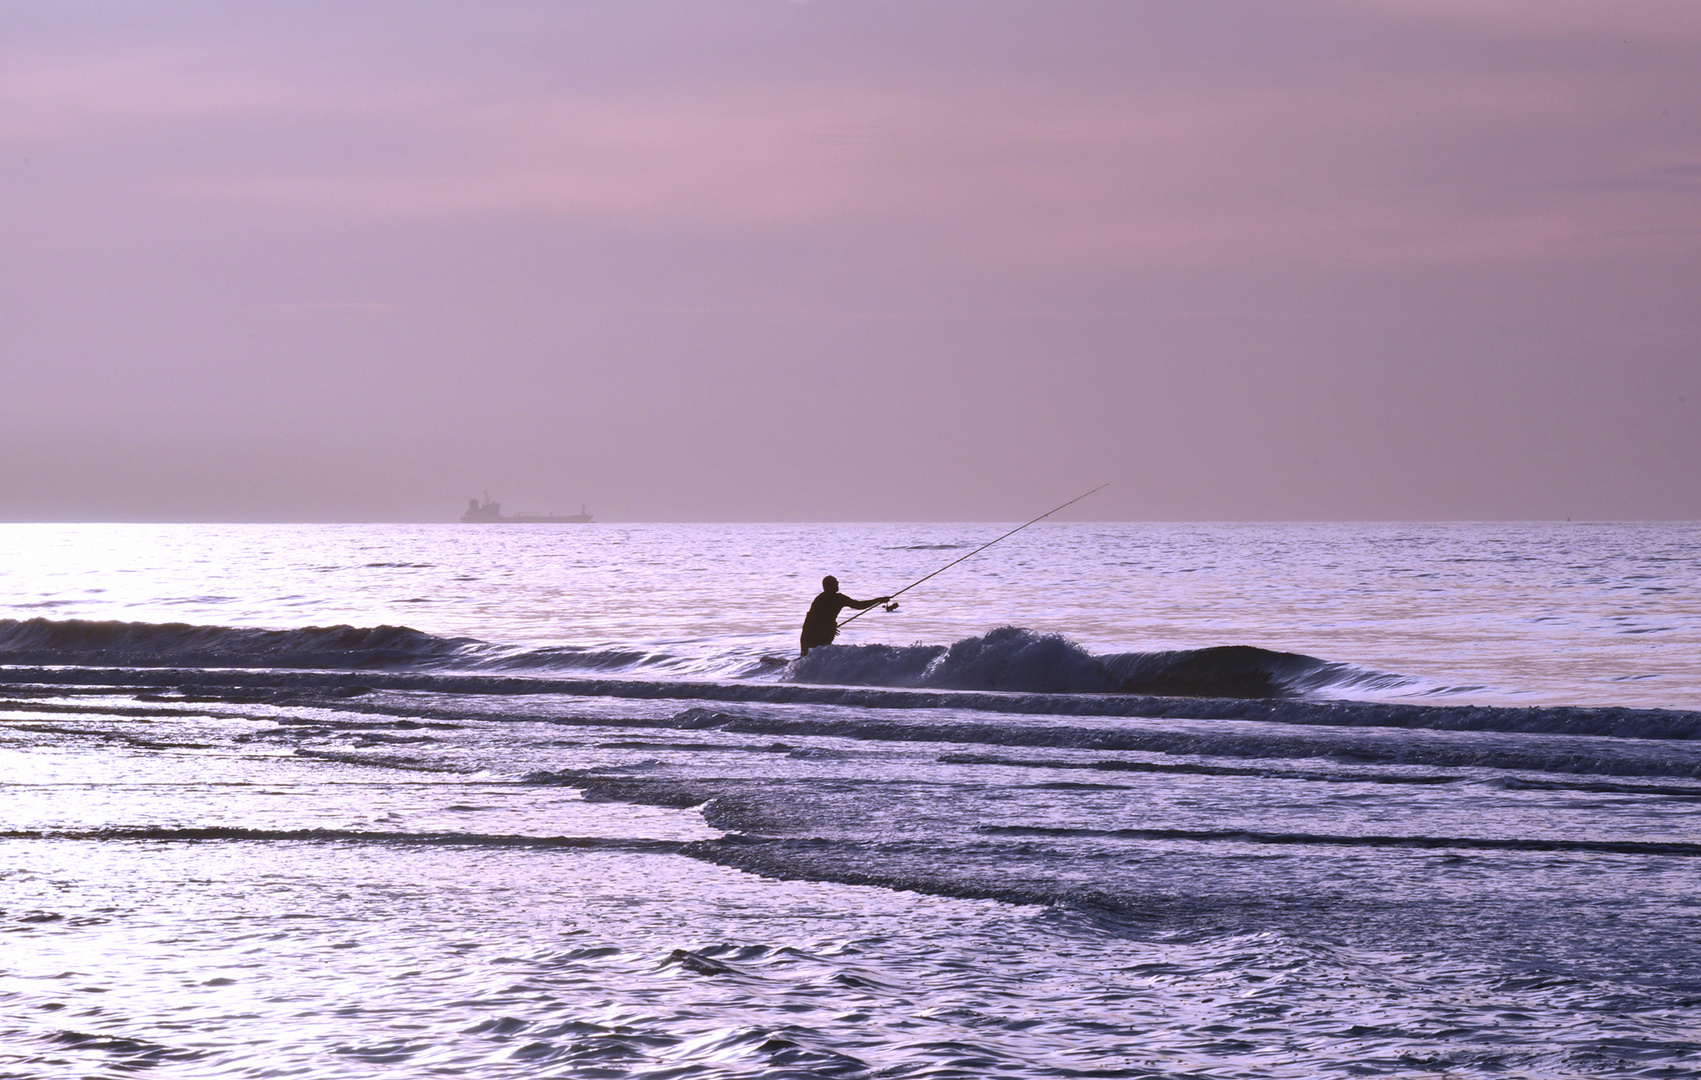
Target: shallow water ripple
[[677, 865]]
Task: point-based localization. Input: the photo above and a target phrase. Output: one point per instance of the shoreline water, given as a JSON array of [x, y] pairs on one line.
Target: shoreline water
[[618, 831]]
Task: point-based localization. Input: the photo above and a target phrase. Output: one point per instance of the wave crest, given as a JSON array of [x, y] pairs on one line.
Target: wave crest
[[1014, 659], [134, 644], [82, 642]]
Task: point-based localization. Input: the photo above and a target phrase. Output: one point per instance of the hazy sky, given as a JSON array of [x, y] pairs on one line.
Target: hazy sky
[[850, 260]]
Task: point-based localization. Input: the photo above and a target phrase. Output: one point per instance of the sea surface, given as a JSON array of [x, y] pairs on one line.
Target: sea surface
[[1106, 800]]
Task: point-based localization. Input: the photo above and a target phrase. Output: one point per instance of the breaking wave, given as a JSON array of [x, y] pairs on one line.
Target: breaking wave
[[1013, 659], [137, 644], [1007, 671], [81, 641], [1008, 659]]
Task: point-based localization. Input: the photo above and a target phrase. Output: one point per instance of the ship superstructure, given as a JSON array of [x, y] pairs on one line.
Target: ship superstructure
[[489, 512]]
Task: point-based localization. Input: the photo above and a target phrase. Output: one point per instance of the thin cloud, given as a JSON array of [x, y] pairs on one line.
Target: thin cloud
[[1409, 164], [336, 311]]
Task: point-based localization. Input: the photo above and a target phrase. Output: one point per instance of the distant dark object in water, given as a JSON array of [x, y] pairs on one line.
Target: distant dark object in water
[[489, 512], [697, 962]]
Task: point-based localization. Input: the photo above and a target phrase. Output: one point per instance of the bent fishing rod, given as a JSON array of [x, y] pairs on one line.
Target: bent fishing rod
[[973, 553]]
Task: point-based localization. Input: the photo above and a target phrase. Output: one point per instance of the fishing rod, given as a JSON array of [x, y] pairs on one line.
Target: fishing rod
[[973, 553]]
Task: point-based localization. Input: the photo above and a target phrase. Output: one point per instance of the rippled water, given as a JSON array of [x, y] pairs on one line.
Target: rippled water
[[1551, 613], [650, 852]]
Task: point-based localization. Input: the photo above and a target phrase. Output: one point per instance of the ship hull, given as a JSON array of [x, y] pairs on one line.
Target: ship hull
[[489, 512]]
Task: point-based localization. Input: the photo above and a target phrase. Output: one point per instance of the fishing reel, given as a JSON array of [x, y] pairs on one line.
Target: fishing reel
[[893, 606]]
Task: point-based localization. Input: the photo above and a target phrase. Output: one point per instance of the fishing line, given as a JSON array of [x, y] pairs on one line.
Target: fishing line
[[973, 553]]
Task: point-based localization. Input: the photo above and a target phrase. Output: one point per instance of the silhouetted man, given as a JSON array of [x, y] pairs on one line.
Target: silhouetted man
[[821, 625]]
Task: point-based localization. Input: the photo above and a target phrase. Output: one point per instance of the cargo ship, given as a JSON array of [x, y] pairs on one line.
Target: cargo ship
[[489, 512]]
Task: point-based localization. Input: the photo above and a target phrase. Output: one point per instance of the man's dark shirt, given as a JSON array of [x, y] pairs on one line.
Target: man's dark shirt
[[821, 625]]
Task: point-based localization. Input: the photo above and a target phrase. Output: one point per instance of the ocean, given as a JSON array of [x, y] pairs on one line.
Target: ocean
[[1106, 800]]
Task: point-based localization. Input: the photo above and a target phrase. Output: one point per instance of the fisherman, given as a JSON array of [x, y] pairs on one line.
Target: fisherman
[[821, 625]]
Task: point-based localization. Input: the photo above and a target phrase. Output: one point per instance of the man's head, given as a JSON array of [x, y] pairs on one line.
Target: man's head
[[829, 584]]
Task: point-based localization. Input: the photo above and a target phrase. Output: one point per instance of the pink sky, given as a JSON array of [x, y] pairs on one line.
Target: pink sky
[[774, 261]]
